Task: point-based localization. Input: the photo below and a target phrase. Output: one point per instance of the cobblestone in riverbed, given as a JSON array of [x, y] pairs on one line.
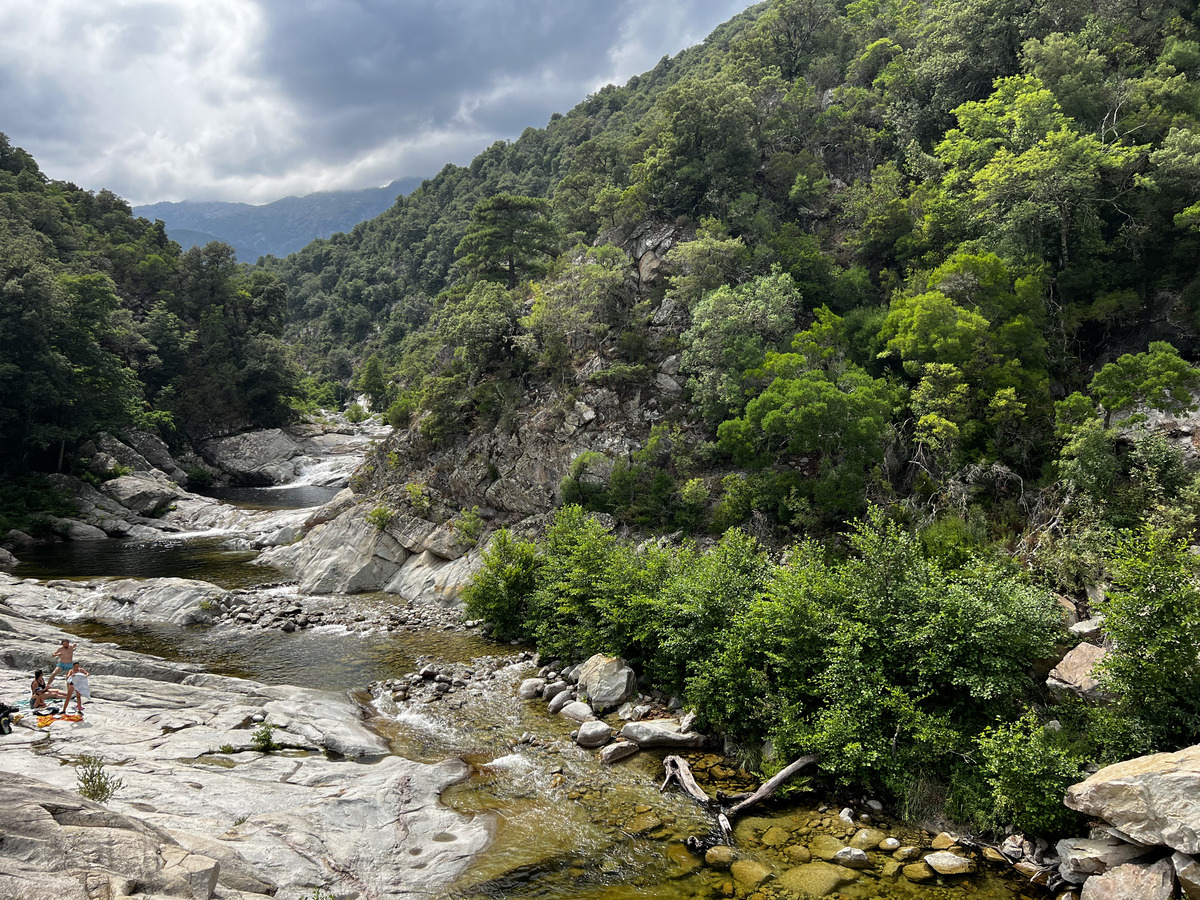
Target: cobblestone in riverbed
[[286, 611]]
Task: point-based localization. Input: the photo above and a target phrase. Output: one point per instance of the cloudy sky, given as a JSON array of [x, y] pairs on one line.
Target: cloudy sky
[[253, 100]]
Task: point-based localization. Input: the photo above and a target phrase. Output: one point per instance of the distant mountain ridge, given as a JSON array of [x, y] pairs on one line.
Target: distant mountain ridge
[[277, 228]]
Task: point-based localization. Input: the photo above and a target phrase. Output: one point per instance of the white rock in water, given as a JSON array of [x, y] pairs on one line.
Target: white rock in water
[[593, 734], [852, 858], [577, 711], [947, 863], [618, 751]]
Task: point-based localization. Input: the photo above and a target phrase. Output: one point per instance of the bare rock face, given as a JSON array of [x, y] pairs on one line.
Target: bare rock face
[[607, 681], [200, 813], [8, 562], [346, 555], [1075, 674], [1133, 881], [1082, 858], [256, 457], [1152, 799], [145, 494]]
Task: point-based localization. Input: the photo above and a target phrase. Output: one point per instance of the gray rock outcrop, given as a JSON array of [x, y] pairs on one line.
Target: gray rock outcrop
[[1076, 673], [200, 814], [607, 681], [1152, 799], [256, 457]]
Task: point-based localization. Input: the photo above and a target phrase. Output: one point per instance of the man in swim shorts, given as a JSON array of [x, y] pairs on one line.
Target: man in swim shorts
[[63, 656]]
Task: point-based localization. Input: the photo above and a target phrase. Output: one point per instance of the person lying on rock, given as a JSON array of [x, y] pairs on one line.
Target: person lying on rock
[[40, 692], [63, 656], [77, 687]]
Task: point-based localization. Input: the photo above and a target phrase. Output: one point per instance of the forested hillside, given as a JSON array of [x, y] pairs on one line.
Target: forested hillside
[[105, 324], [930, 265]]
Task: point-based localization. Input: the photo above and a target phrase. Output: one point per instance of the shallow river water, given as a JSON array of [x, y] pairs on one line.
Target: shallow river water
[[564, 826]]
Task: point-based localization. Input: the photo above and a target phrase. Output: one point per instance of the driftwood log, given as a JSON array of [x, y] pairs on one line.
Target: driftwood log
[[725, 808]]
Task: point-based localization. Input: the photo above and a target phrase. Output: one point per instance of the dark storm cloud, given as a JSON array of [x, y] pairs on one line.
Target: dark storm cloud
[[253, 99]]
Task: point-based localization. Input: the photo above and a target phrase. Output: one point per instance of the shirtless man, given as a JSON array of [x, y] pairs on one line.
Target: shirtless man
[[63, 656], [77, 687]]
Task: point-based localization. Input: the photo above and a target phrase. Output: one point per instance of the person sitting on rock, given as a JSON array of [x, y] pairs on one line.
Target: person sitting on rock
[[39, 692], [77, 687]]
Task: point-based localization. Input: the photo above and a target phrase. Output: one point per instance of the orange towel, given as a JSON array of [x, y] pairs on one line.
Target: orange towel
[[44, 721]]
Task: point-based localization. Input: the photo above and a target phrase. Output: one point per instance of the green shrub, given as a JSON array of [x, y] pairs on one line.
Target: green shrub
[[263, 739], [417, 498], [400, 413], [468, 527], [380, 517], [94, 783], [1027, 769], [199, 478], [501, 589], [355, 413]]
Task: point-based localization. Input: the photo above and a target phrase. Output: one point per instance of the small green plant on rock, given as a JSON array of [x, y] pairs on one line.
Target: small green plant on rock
[[468, 527], [263, 739], [227, 748], [94, 783], [418, 498], [380, 517], [319, 894]]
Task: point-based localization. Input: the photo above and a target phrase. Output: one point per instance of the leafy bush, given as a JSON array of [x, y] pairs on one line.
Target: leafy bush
[[1027, 769], [380, 517], [94, 783], [468, 527], [355, 413], [199, 478], [500, 591], [263, 738]]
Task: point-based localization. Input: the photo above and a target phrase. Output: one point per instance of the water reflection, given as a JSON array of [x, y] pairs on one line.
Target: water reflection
[[287, 496], [206, 559], [329, 658]]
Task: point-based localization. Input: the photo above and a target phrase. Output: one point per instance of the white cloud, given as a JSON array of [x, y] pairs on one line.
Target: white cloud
[[255, 99]]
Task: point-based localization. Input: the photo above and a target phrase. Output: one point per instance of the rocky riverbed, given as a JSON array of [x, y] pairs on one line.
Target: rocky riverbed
[[200, 813]]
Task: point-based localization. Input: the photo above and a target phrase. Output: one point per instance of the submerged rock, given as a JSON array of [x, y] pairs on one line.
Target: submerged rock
[[816, 879]]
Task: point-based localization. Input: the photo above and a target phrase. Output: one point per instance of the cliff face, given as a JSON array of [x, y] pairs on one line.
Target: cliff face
[[514, 468]]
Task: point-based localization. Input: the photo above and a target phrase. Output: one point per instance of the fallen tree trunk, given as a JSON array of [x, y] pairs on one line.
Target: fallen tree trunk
[[679, 771]]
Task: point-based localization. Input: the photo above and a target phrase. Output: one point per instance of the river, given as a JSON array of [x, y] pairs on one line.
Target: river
[[564, 826]]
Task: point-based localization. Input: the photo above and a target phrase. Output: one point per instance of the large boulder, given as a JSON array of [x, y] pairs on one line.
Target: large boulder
[[1187, 871], [256, 457], [946, 863], [1082, 857], [144, 494], [593, 734], [1133, 881], [607, 682], [8, 562], [347, 555], [660, 733], [1076, 673], [152, 448], [1152, 799]]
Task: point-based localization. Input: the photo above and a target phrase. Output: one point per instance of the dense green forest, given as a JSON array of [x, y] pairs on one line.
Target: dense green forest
[[943, 263], [105, 325], [940, 262]]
